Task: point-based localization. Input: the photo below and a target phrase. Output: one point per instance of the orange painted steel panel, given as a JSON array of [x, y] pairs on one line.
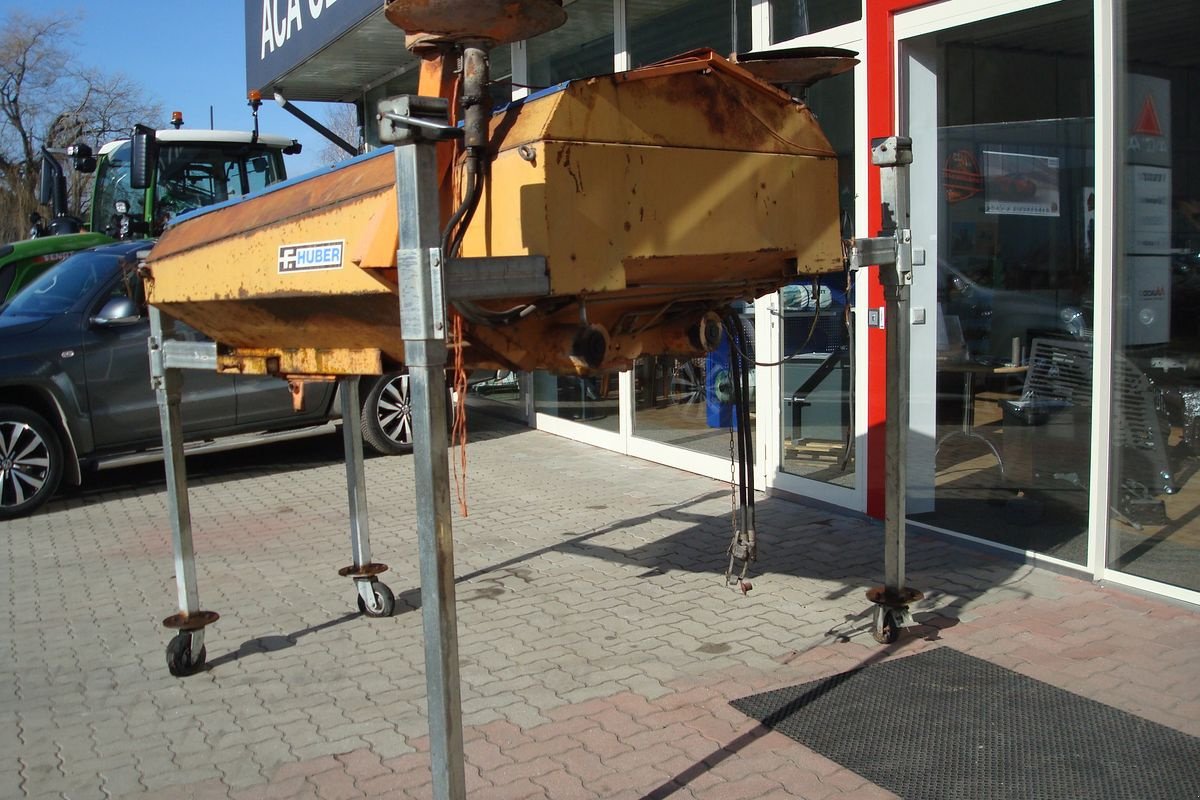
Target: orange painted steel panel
[[656, 196]]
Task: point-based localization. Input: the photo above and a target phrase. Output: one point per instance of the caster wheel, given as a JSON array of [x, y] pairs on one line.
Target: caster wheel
[[385, 601], [886, 629], [179, 656]]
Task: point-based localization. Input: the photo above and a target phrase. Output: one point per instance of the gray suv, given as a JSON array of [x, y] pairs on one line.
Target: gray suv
[[75, 385]]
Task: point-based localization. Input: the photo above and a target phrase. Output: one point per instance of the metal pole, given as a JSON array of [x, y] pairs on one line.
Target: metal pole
[[892, 252], [185, 651], [356, 485], [423, 327], [896, 279], [375, 598], [168, 389]]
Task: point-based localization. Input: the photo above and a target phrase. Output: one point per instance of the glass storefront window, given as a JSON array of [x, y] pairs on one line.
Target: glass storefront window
[[1014, 278], [792, 18], [592, 400], [405, 83], [659, 29], [1154, 527], [688, 402], [581, 47], [817, 433], [502, 392]]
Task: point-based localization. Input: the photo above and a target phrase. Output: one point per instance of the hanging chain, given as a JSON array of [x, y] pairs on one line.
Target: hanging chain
[[739, 545]]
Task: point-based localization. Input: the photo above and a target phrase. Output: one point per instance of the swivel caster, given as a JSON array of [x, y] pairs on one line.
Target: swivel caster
[[885, 627], [891, 612], [185, 652], [383, 601], [181, 660], [375, 599]]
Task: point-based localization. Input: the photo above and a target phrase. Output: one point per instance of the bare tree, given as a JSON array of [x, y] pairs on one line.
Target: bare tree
[[45, 100], [342, 119]]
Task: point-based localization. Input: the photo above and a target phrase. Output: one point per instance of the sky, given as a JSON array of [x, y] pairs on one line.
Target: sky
[[187, 55]]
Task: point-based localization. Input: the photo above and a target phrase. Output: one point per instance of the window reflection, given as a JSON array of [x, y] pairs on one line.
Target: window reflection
[[659, 29], [583, 46], [792, 18], [817, 430], [1154, 520], [1014, 275], [590, 399], [688, 402]]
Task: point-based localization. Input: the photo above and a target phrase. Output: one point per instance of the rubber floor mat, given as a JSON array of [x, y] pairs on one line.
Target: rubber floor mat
[[942, 725]]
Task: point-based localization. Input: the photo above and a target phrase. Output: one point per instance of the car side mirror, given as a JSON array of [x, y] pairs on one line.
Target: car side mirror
[[118, 312], [46, 182], [143, 158]]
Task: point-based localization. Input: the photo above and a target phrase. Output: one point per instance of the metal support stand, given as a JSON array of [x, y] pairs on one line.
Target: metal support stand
[[423, 328], [892, 251], [375, 598], [185, 652]]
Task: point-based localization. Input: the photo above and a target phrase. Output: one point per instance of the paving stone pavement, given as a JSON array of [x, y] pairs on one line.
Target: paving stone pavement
[[599, 646]]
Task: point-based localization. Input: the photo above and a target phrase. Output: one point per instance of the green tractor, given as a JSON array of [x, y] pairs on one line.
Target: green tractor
[[141, 183]]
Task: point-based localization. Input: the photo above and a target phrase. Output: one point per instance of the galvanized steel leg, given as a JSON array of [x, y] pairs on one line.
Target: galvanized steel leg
[[375, 599], [893, 254], [423, 326], [185, 653]]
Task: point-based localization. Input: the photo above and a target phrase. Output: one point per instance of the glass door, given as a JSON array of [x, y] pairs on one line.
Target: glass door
[[1153, 494], [1002, 116]]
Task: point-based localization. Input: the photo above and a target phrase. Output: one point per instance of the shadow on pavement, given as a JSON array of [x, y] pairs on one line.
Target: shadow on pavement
[[309, 452]]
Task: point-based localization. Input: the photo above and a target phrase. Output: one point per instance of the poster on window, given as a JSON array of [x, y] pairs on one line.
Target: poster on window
[[1020, 184], [1147, 211]]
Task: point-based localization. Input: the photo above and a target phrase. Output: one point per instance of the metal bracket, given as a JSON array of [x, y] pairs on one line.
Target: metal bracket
[[178, 354], [891, 151], [892, 249], [872, 251], [410, 117], [498, 276], [422, 315]]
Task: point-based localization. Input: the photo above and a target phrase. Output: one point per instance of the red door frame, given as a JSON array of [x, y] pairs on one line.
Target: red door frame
[[881, 121]]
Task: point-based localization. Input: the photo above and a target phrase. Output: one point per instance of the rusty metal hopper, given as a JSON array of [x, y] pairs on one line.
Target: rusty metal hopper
[[656, 196]]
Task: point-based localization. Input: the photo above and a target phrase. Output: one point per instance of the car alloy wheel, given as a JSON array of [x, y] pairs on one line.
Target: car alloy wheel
[[387, 424], [30, 461]]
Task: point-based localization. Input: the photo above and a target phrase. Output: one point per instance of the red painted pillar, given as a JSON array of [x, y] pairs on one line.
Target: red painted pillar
[[881, 121]]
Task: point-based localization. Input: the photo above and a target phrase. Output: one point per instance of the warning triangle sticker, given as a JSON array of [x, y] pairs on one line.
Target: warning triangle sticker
[[1147, 121]]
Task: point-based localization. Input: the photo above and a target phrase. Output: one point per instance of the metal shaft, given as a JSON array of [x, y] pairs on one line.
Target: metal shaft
[[896, 314], [356, 484], [423, 327], [896, 280], [168, 388]]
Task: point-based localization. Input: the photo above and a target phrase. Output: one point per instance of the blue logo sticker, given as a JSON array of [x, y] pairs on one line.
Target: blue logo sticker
[[311, 256]]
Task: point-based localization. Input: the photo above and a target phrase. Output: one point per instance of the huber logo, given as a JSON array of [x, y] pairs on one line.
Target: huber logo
[[311, 256], [1147, 122]]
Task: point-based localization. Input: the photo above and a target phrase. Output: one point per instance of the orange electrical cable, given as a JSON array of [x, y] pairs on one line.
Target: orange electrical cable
[[458, 431]]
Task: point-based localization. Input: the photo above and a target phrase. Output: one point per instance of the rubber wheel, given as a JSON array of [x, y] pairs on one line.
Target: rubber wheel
[[385, 599], [31, 461], [179, 656], [387, 416], [889, 632]]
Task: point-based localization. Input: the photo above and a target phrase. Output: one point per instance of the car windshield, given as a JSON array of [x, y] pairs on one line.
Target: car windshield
[[58, 289]]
